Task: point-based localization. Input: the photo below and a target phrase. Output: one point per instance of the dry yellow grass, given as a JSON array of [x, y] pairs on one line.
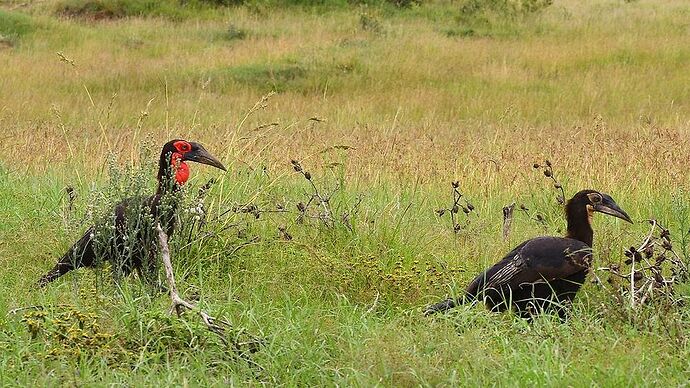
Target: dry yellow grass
[[602, 75], [598, 87]]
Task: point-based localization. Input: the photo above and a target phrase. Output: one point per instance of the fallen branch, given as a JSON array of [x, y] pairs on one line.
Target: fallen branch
[[217, 326]]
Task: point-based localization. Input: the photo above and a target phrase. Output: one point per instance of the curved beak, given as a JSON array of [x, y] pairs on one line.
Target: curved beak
[[200, 155], [608, 206]]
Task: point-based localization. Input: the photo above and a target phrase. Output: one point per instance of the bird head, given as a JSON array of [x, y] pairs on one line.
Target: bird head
[[595, 201], [176, 152]]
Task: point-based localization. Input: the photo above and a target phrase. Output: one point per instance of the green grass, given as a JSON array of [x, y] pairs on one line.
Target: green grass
[[389, 105]]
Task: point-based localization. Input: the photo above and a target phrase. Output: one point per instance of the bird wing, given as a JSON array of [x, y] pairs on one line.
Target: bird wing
[[536, 260]]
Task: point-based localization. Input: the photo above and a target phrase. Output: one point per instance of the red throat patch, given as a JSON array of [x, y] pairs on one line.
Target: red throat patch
[[181, 169]]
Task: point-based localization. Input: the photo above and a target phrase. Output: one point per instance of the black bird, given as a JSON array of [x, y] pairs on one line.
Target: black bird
[[543, 273], [127, 238]]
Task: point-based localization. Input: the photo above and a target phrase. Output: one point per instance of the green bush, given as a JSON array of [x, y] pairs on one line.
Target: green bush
[[501, 9], [116, 9], [495, 17], [222, 3], [14, 25]]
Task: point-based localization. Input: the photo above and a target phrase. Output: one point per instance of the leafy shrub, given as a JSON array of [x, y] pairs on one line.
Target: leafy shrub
[[404, 3], [116, 9], [222, 3], [495, 17], [14, 25], [370, 22], [502, 8], [71, 333], [234, 33]]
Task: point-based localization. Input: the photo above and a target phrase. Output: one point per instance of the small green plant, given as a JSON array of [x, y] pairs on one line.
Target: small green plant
[[404, 3], [233, 32], [369, 21], [71, 333]]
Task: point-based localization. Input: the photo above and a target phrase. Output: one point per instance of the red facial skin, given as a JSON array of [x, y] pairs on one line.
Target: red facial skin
[[181, 169]]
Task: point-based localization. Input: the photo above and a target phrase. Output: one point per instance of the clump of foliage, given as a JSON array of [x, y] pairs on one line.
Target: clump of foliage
[[72, 333], [370, 22], [222, 3], [117, 9], [13, 26], [495, 17], [233, 32]]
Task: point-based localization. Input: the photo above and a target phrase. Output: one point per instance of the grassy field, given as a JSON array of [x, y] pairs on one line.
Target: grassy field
[[385, 107]]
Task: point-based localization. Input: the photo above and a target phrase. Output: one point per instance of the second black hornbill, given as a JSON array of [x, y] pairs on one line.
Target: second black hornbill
[[544, 273], [127, 237]]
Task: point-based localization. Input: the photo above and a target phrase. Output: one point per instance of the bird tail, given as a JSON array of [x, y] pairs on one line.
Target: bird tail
[[81, 254], [448, 304], [470, 296], [53, 274]]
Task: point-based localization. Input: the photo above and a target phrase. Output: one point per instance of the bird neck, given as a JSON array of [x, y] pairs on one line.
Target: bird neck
[[165, 202], [579, 223], [172, 173]]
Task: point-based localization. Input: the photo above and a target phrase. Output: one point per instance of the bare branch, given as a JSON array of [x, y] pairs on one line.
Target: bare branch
[[217, 326]]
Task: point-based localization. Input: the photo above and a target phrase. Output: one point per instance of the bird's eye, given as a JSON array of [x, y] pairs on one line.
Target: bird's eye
[[183, 146], [595, 198]]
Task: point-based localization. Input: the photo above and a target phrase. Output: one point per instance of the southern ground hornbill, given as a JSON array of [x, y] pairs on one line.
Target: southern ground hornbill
[[128, 239], [543, 273]]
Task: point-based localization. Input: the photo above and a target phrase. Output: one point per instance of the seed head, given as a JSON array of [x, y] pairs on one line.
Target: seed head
[[660, 259], [536, 165], [547, 173], [649, 252], [307, 175], [659, 279], [456, 184]]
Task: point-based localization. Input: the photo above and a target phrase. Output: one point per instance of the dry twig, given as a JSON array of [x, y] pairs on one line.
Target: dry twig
[[455, 208], [217, 326], [654, 269]]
